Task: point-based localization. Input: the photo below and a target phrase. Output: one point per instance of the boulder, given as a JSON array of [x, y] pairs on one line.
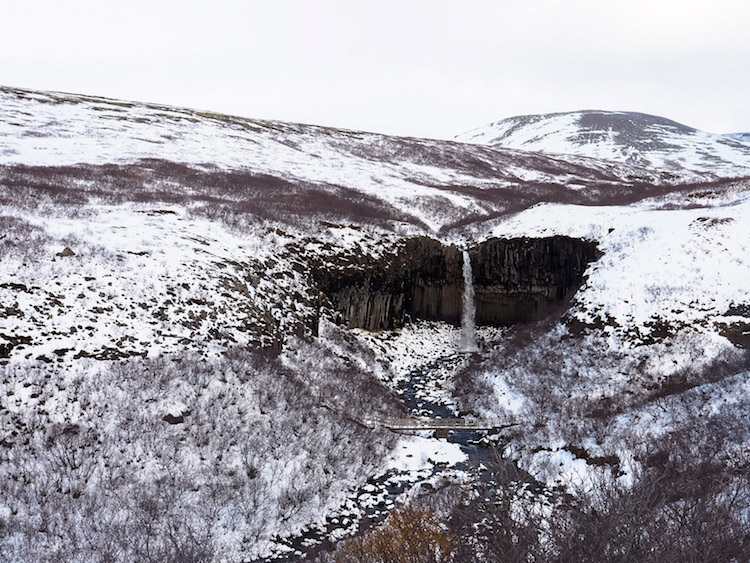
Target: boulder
[[172, 419]]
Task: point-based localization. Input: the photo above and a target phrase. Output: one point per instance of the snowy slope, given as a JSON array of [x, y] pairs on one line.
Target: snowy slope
[[658, 333], [425, 181], [145, 373], [668, 262], [189, 297], [635, 138]]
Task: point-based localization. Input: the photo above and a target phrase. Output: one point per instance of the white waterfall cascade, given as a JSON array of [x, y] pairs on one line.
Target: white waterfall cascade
[[468, 309]]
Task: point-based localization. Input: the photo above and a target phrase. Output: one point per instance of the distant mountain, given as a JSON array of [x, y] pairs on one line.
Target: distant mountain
[[634, 138], [745, 137]]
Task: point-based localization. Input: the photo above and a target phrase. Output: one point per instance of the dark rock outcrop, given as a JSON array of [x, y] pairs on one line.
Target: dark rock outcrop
[[172, 419], [9, 342], [515, 280], [5, 349], [523, 279], [422, 280]]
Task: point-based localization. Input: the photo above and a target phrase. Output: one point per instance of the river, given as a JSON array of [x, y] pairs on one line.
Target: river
[[372, 502]]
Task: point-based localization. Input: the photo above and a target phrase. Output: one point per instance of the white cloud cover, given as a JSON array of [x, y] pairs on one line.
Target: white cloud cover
[[424, 68]]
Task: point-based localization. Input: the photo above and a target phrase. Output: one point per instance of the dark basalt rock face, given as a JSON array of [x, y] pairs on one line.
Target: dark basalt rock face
[[515, 280], [523, 279]]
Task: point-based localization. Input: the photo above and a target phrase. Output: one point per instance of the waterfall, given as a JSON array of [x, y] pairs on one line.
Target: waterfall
[[468, 309]]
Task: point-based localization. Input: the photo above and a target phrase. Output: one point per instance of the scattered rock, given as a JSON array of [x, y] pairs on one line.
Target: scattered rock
[[11, 312], [15, 287], [737, 333], [437, 463], [16, 340], [156, 212], [738, 310], [5, 349], [109, 353], [172, 419]]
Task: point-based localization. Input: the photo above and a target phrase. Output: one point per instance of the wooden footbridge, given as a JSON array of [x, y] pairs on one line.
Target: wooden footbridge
[[416, 424], [422, 423]]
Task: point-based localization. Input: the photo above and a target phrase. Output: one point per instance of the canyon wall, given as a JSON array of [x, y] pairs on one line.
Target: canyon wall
[[523, 279], [516, 280]]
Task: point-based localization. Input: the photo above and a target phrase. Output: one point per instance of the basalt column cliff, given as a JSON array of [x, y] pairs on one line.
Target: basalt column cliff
[[515, 280]]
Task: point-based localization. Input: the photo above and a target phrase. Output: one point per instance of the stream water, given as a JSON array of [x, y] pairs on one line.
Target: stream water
[[372, 502]]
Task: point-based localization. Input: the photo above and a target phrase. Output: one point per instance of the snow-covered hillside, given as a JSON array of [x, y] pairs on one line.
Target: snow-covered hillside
[[627, 137], [174, 384], [432, 183], [664, 311]]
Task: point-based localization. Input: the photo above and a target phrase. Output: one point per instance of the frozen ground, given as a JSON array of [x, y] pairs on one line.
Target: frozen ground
[[660, 321], [423, 357], [683, 263], [119, 352]]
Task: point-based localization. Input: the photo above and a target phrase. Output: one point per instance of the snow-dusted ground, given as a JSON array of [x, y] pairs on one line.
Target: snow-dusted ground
[[135, 327], [144, 281], [647, 332], [426, 356], [155, 312], [661, 263]]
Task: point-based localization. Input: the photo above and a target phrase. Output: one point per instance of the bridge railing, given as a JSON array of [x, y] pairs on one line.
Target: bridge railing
[[438, 423]]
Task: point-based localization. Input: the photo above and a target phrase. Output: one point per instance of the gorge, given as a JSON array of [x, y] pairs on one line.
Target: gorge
[[514, 280]]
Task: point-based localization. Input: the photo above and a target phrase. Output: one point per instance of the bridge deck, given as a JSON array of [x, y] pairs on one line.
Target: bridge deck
[[439, 423]]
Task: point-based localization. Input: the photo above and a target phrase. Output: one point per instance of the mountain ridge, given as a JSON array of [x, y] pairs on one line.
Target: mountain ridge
[[429, 180], [744, 137], [637, 138]]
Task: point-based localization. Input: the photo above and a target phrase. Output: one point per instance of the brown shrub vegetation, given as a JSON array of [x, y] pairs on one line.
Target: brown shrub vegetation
[[411, 534]]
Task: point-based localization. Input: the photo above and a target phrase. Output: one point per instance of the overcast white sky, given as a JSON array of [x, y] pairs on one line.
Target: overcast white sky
[[430, 68]]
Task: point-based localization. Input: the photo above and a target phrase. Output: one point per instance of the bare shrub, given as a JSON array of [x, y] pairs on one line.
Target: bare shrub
[[409, 535], [19, 238], [498, 518], [255, 454], [688, 502], [217, 193]]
